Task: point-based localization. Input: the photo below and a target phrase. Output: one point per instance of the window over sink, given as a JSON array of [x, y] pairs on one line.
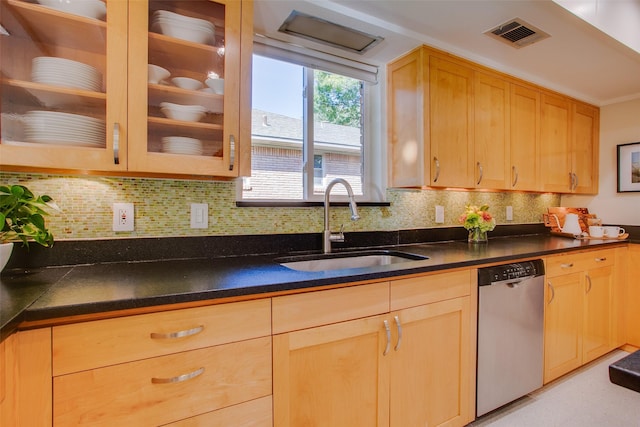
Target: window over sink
[[310, 124]]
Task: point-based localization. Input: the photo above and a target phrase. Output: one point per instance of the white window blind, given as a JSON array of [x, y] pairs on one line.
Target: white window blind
[[306, 57]]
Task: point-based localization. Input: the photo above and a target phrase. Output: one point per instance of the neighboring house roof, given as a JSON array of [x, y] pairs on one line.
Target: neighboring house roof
[[282, 131]]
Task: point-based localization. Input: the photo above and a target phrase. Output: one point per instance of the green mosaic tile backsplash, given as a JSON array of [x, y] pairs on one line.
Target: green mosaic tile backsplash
[[162, 208]]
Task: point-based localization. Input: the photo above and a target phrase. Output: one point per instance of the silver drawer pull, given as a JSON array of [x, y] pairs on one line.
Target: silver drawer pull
[[179, 378], [569, 265], [601, 259], [388, 332], [178, 334]]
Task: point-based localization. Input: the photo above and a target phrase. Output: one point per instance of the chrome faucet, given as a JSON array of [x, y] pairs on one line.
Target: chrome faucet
[[328, 235]]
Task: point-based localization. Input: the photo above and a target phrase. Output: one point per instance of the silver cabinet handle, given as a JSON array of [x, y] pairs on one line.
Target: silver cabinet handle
[[437, 162], [399, 327], [553, 292], [178, 334], [571, 181], [575, 181], [481, 173], [388, 331], [568, 265], [590, 284], [514, 173], [179, 378], [601, 259], [232, 151], [116, 143]]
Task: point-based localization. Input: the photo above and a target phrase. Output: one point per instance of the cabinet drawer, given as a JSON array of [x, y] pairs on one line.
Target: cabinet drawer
[[293, 312], [164, 389], [572, 263], [90, 345], [421, 290], [256, 413]]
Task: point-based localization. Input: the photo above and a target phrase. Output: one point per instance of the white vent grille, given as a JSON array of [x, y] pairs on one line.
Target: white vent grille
[[517, 33]]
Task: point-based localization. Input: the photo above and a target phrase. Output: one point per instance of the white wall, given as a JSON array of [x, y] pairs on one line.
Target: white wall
[[619, 124]]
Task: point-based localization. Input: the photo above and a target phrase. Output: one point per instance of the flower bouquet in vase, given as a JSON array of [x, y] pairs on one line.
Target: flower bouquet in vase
[[477, 220]]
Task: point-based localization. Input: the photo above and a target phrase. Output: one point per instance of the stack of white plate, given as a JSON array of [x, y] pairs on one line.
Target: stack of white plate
[[65, 72], [52, 127], [183, 27], [182, 145]]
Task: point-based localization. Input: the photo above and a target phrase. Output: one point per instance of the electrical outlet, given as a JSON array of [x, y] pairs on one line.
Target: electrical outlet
[[123, 215], [509, 213], [199, 215], [439, 214]]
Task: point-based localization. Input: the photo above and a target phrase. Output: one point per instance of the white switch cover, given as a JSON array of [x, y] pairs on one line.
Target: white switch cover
[[439, 214], [509, 213], [199, 215], [123, 215]]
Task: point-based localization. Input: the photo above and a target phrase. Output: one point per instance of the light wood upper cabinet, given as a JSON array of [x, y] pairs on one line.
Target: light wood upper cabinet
[[453, 123], [451, 115], [569, 136], [129, 136], [555, 144], [491, 125], [524, 139], [585, 133], [37, 131], [409, 156]]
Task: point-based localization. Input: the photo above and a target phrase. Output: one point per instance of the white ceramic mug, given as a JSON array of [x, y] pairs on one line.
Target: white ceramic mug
[[613, 232], [596, 231]]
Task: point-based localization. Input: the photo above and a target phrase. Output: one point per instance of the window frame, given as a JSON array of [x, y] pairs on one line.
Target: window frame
[[373, 155]]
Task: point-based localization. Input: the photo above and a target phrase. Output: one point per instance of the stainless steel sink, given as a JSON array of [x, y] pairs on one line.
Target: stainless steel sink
[[341, 261]]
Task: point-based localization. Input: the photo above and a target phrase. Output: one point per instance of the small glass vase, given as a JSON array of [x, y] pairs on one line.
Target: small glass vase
[[477, 236]]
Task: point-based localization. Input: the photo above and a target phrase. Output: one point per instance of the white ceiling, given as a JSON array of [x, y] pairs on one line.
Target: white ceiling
[[579, 59]]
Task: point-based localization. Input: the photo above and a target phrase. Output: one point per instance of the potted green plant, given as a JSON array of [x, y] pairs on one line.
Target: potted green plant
[[22, 218]]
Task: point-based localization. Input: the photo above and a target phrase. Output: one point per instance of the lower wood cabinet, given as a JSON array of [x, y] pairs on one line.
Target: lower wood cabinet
[[25, 379], [580, 321], [411, 365], [632, 298], [181, 366], [163, 389]]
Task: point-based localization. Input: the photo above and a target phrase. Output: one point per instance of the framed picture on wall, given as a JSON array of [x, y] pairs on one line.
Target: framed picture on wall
[[629, 167]]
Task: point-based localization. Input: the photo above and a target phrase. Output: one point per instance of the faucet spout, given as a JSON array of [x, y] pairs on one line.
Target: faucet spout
[[328, 236]]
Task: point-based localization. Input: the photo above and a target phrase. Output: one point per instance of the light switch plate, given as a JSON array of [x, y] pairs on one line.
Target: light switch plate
[[199, 215], [439, 214], [509, 213], [123, 217]]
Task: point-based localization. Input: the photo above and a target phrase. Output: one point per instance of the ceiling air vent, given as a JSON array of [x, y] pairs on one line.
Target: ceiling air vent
[[517, 33]]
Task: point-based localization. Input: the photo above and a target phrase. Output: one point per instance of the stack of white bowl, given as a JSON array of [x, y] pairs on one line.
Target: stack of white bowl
[[182, 145], [183, 27], [89, 8], [65, 72], [187, 113], [52, 127]]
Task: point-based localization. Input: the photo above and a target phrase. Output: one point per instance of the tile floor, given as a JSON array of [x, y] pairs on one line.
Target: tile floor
[[584, 398]]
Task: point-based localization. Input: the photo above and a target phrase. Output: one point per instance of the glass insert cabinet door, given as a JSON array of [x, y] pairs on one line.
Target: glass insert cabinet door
[[147, 87], [186, 57], [63, 84]]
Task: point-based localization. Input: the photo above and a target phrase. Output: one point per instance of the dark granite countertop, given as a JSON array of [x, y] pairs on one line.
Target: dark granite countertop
[[48, 293]]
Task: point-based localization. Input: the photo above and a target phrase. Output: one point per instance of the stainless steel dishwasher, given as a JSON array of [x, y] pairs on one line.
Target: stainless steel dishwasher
[[510, 341]]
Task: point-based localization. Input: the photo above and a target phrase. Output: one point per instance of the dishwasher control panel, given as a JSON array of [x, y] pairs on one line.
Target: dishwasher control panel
[[510, 272]]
